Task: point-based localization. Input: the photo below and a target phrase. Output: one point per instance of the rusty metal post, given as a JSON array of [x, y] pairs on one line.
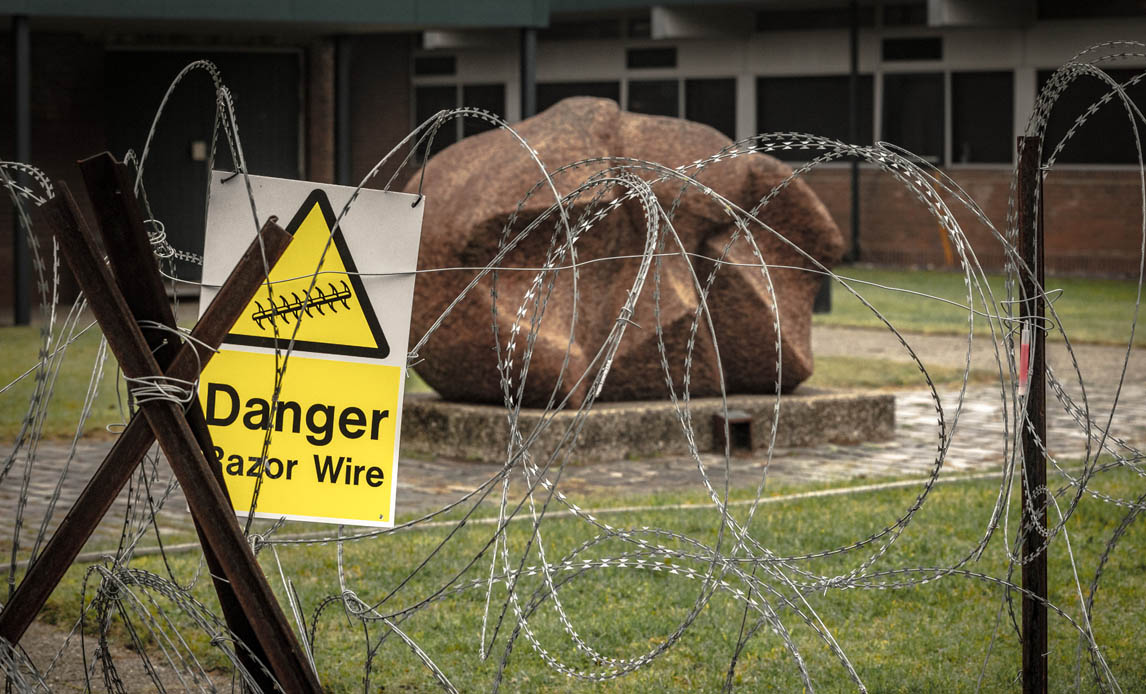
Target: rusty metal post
[[208, 502], [45, 573], [1033, 491], [120, 219]]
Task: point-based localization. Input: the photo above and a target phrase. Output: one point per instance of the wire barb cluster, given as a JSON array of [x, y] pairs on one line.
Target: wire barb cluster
[[297, 306]]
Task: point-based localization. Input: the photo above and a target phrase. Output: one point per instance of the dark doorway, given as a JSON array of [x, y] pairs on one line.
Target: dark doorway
[[265, 87]]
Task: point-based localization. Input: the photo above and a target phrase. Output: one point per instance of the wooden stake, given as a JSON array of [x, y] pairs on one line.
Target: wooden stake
[[120, 219], [132, 444], [207, 500]]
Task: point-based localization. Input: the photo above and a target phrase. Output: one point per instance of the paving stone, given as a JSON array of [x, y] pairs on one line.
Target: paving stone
[[427, 484]]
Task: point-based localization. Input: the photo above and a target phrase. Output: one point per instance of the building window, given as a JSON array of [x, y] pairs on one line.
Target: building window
[[429, 99], [913, 110], [549, 93], [982, 117], [1107, 136], [641, 58], [435, 65], [712, 102], [490, 97], [821, 18], [655, 97], [640, 26], [928, 48], [815, 105], [1073, 9]]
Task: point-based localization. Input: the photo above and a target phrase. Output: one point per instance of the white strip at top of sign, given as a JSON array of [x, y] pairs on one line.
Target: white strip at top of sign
[[381, 231], [344, 292]]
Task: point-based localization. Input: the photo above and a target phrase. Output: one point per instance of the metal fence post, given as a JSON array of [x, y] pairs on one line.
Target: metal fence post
[[1033, 489]]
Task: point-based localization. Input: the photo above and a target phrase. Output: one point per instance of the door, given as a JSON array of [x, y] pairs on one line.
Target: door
[[265, 87]]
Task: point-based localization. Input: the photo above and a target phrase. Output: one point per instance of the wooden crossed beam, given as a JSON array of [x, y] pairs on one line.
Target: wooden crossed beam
[[266, 646]]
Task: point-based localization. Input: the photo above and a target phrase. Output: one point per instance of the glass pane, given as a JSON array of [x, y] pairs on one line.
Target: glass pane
[[638, 58], [549, 93], [640, 26], [982, 117], [929, 48], [913, 108], [655, 97], [430, 100], [1073, 9], [815, 105], [490, 97], [822, 18], [1107, 136], [435, 65], [712, 102]]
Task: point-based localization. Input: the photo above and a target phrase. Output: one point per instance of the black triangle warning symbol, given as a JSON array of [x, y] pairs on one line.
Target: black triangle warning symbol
[[336, 317]]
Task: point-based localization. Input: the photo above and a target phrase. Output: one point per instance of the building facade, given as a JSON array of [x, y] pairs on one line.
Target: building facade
[[323, 93], [952, 82]]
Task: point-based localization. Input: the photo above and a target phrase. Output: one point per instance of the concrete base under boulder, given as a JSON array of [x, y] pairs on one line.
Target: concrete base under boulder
[[627, 430]]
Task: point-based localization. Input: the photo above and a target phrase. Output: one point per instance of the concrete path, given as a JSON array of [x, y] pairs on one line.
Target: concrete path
[[424, 485]]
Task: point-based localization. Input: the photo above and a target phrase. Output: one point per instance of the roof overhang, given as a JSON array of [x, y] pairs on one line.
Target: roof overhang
[[351, 15]]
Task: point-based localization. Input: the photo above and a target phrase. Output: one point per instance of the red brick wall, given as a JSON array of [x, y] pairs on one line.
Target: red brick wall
[[1093, 218]]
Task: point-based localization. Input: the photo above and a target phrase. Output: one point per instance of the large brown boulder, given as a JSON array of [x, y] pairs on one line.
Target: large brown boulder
[[475, 187]]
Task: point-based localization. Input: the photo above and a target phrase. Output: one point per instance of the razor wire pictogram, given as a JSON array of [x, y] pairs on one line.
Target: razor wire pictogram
[[296, 306]]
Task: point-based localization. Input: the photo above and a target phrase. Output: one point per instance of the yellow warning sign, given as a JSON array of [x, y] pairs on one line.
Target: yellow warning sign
[[331, 456], [323, 305], [332, 407]]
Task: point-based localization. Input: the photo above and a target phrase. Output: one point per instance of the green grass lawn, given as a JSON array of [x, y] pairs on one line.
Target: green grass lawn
[[21, 347], [1091, 310], [859, 372], [928, 638]]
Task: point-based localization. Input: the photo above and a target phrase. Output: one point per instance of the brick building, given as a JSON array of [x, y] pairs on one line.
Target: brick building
[[323, 92]]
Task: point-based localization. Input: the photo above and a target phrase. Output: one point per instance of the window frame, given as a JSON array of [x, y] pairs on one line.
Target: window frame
[[459, 87]]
